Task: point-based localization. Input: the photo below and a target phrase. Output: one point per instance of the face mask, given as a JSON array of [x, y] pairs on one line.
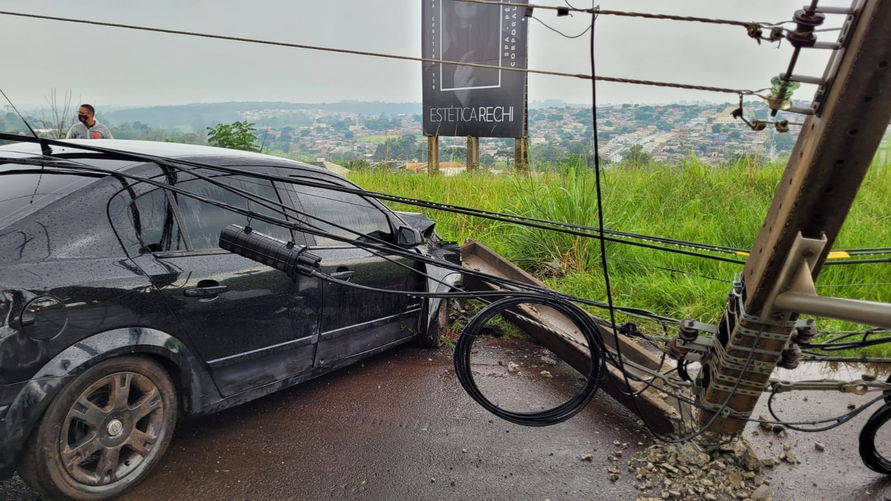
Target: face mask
[[83, 118]]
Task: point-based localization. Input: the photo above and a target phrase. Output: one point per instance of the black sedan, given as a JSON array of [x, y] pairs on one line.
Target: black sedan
[[120, 313]]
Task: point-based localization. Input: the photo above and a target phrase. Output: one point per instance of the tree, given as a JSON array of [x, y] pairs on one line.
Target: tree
[[402, 148], [61, 113], [236, 136], [636, 157]]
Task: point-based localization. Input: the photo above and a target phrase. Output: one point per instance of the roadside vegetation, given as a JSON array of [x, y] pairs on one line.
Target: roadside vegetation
[[687, 201]]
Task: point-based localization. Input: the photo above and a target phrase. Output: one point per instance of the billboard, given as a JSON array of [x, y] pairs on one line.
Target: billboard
[[465, 100]]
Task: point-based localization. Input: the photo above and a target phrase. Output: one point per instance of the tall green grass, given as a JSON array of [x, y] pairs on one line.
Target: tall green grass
[[688, 201]]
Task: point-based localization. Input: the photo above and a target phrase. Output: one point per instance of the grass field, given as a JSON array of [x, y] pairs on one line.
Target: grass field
[[689, 201]]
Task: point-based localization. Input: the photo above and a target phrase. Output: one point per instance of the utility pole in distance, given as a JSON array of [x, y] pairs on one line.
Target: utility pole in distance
[[828, 163]]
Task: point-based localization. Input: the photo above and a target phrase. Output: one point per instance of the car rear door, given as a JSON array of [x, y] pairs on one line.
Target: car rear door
[[252, 324], [356, 321]]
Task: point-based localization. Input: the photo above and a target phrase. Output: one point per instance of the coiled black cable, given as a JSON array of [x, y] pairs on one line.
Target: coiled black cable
[[560, 413], [872, 457]]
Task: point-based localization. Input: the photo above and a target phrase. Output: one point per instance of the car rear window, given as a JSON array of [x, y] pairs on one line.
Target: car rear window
[[22, 194]]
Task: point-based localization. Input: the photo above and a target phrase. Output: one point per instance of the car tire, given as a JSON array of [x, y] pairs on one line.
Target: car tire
[[104, 432], [869, 453], [431, 337]]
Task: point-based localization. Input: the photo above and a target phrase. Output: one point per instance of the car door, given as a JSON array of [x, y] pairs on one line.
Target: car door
[[356, 321], [252, 324]]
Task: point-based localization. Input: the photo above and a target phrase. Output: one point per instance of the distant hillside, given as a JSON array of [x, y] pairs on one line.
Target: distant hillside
[[195, 117]]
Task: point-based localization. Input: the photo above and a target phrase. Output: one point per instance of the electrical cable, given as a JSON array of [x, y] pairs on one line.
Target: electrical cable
[[875, 459], [604, 264], [570, 228], [847, 346], [545, 224], [819, 357], [602, 239], [631, 81], [834, 422], [673, 270], [557, 414], [387, 248], [644, 15], [555, 30], [346, 283]]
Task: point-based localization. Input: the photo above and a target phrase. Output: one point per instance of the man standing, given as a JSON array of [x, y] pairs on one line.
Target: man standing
[[87, 126]]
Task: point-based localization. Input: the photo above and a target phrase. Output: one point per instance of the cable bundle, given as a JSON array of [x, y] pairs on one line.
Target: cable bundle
[[583, 322]]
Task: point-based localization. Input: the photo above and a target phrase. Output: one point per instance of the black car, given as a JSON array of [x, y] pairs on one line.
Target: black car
[[120, 313]]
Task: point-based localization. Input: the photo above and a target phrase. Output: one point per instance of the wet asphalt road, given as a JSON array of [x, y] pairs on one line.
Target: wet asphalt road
[[836, 473], [397, 426]]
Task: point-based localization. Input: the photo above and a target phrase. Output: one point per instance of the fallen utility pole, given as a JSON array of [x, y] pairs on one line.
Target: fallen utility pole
[[828, 163], [557, 333]]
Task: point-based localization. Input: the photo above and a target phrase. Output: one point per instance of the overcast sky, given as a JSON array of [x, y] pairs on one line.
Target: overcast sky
[[115, 67]]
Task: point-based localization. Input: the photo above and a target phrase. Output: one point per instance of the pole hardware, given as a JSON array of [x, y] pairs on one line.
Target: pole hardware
[[796, 291], [858, 387], [760, 328]]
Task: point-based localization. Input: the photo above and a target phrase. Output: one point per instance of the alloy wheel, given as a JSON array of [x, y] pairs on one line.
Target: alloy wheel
[[111, 429]]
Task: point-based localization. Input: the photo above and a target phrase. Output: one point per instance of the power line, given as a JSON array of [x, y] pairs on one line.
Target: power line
[[631, 81], [645, 15], [555, 30]]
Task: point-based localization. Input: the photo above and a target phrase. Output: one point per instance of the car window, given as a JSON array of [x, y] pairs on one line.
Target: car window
[[22, 194], [160, 229], [203, 222], [71, 226], [343, 214]]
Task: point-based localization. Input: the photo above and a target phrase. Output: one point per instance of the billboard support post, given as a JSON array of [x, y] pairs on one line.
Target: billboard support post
[[432, 155], [473, 153], [521, 144], [521, 154]]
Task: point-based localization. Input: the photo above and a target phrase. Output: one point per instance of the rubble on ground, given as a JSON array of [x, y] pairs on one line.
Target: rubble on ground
[[690, 471]]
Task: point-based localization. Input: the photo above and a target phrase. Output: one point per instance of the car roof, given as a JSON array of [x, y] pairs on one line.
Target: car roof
[[162, 149], [197, 153]]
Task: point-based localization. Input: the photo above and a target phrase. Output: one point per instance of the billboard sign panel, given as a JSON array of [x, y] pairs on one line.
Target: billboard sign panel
[[465, 100]]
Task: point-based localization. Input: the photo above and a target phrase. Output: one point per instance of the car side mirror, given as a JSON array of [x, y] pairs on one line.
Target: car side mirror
[[408, 237]]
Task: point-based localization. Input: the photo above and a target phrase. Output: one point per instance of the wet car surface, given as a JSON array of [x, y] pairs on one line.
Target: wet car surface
[[120, 311]]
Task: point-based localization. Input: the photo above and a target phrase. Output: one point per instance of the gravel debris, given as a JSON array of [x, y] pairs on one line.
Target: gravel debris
[[548, 360], [762, 493], [694, 471]]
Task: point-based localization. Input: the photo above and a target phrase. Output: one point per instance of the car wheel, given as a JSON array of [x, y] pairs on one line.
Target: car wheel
[[432, 336], [877, 457], [103, 432]]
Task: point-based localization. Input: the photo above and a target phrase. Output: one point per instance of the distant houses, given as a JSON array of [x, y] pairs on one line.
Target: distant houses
[[331, 166]]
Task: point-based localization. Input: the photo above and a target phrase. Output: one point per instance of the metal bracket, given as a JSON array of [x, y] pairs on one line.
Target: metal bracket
[[795, 292], [857, 387], [802, 257]]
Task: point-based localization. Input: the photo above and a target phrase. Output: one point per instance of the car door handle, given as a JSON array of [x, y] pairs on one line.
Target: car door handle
[[342, 275], [209, 291]]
